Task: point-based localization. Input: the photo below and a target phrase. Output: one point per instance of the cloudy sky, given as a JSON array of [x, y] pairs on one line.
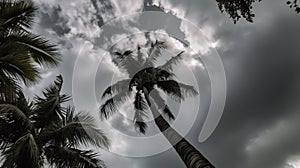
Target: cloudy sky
[[260, 124]]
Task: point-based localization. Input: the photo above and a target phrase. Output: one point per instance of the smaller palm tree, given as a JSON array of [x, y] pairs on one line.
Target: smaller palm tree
[[21, 51], [44, 132]]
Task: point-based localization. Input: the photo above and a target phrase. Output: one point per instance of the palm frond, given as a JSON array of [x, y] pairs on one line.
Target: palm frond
[[14, 111], [116, 88], [139, 102], [118, 54], [168, 112], [111, 105], [23, 152], [14, 118], [187, 90], [81, 133], [128, 52], [131, 65], [7, 137], [127, 63], [172, 88], [161, 103], [67, 157], [17, 64], [154, 52], [173, 61], [176, 90], [48, 109], [9, 88], [140, 124], [162, 74], [16, 15], [80, 129], [41, 50], [148, 76], [10, 130], [140, 106]]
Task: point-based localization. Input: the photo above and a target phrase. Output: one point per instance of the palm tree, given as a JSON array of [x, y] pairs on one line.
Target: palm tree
[[44, 132], [144, 81], [22, 52], [237, 9]]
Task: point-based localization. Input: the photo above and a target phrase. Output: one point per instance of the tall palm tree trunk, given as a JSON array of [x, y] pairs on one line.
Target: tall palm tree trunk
[[191, 157]]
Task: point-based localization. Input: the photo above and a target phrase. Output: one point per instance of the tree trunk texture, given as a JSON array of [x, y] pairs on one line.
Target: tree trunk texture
[[191, 157]]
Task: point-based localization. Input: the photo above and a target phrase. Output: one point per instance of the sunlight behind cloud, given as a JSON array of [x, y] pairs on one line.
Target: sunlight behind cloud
[[293, 162]]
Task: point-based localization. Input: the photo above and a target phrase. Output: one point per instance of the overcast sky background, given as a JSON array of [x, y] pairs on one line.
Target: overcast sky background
[[260, 124]]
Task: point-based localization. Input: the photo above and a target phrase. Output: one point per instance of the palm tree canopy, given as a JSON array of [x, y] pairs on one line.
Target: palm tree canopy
[[44, 129], [237, 9], [145, 80], [22, 52]]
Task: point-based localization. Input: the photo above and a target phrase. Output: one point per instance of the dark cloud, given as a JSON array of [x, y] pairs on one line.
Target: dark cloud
[[262, 63], [149, 7], [262, 66], [102, 6], [52, 20]]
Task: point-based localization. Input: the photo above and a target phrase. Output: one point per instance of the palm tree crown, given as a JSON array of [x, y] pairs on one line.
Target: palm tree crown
[[144, 77], [22, 52], [44, 131]]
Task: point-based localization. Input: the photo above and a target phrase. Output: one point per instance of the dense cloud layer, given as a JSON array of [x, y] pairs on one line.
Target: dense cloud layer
[[260, 124]]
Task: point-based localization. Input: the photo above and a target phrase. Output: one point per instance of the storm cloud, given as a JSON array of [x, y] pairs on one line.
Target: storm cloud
[[260, 124]]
